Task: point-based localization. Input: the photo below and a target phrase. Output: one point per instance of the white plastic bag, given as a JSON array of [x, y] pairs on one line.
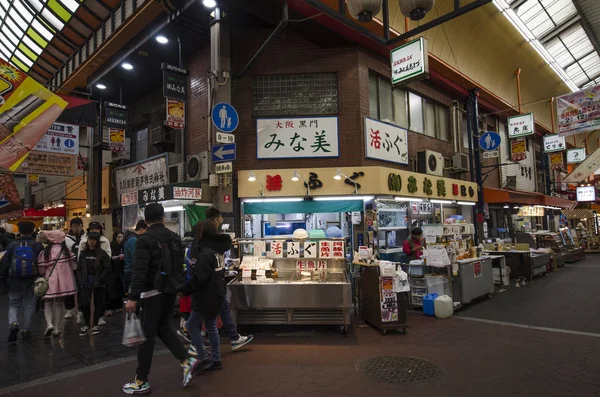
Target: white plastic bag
[[133, 334]]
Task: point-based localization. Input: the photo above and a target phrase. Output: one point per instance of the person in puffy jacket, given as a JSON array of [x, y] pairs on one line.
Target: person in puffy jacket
[[129, 244], [73, 240], [56, 263], [93, 269]]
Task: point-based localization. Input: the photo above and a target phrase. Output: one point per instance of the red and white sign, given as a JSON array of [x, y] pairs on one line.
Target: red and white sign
[[338, 249], [130, 198], [187, 193], [277, 249], [310, 249], [175, 113], [325, 249], [227, 199], [81, 162], [311, 265], [477, 270], [322, 265]]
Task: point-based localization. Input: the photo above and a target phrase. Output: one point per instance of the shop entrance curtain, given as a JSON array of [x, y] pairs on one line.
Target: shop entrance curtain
[[196, 213], [303, 207]]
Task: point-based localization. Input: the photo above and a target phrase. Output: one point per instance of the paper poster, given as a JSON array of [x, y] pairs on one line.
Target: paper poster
[[310, 249], [116, 141], [518, 150], [175, 113], [325, 249], [293, 250], [389, 300], [338, 250], [556, 161], [477, 270], [578, 112], [300, 265], [322, 265], [276, 249], [259, 248], [311, 265]]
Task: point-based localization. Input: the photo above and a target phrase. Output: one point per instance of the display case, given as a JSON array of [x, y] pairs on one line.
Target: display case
[[554, 242], [297, 289], [392, 229], [576, 253]]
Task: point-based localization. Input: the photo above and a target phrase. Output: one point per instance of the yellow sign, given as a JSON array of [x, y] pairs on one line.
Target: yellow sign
[[531, 211], [117, 140], [27, 111], [33, 179], [518, 149], [556, 160], [350, 180]]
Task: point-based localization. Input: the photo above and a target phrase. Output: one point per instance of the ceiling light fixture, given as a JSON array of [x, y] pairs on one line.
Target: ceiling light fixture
[[209, 3], [126, 66], [162, 39], [440, 201], [465, 203], [251, 177], [398, 198], [100, 86]]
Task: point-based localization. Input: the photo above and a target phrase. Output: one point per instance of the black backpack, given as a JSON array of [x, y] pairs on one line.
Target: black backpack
[[171, 276]]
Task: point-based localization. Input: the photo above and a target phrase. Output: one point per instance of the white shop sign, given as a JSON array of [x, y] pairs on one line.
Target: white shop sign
[[521, 125], [60, 138], [575, 156], [409, 62], [586, 193], [298, 137], [554, 143], [385, 142], [142, 175]]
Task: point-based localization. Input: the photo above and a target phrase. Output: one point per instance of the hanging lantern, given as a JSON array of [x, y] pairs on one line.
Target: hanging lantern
[[364, 10], [415, 9]]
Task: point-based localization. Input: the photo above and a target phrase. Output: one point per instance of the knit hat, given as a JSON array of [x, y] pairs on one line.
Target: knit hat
[[55, 236]]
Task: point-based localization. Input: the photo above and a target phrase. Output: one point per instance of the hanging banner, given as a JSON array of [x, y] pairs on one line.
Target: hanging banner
[[575, 156], [521, 125], [115, 115], [175, 113], [174, 82], [33, 179], [27, 110], [142, 175], [579, 112], [556, 161], [117, 140], [44, 163], [554, 143], [518, 150], [410, 61], [60, 138], [385, 142]]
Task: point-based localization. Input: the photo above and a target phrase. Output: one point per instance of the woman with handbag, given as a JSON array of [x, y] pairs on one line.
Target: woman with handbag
[[56, 264]]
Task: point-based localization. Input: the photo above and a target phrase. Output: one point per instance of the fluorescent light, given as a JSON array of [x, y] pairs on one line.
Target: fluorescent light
[[506, 206], [337, 198], [441, 201], [162, 39], [100, 86], [338, 175], [60, 205], [398, 198], [251, 177], [295, 177], [465, 203], [274, 200], [175, 208], [209, 3], [126, 66]]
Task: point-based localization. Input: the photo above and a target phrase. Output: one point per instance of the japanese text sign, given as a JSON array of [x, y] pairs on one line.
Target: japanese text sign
[[575, 156], [259, 248], [338, 250], [322, 265], [276, 249], [518, 150], [175, 113], [386, 142], [579, 112], [325, 249], [297, 137], [117, 140], [151, 195], [179, 191], [293, 250], [554, 143], [174, 82], [115, 115], [128, 199], [556, 161], [60, 138], [521, 125], [586, 193], [44, 163], [409, 61], [142, 175], [187, 193], [310, 249]]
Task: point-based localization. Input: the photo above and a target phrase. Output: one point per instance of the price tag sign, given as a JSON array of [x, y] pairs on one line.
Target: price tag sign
[[246, 273], [260, 273]]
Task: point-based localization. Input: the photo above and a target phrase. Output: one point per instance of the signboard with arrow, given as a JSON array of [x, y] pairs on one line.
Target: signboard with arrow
[[221, 153]]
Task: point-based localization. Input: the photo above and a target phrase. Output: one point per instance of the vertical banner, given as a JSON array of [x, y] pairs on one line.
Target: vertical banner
[[33, 179], [27, 110], [175, 113], [556, 160], [518, 150], [175, 82], [115, 115], [117, 139]]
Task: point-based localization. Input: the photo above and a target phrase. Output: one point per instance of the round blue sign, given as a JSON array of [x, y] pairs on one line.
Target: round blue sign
[[69, 143], [489, 141], [225, 117]]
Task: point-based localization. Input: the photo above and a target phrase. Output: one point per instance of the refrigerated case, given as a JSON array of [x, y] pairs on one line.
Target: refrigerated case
[[576, 253], [554, 242]]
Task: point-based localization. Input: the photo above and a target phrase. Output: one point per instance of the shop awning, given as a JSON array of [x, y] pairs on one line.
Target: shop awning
[[33, 213], [552, 201], [303, 207], [503, 196], [577, 214]]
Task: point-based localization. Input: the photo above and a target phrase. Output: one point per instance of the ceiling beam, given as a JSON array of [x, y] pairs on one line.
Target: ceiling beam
[[516, 4], [586, 27], [563, 27]]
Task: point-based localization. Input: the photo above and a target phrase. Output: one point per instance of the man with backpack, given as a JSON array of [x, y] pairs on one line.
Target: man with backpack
[[129, 245], [19, 268], [157, 276]]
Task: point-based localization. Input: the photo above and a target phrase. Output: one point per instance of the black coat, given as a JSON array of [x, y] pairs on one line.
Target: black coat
[[102, 268], [115, 285], [148, 255], [209, 285]]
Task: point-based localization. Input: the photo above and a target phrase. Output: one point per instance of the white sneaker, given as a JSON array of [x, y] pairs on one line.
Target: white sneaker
[[241, 342], [102, 322], [80, 319], [192, 351], [69, 315]]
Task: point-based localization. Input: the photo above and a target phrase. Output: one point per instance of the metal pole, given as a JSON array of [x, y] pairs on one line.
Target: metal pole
[[95, 178], [179, 53], [473, 114]]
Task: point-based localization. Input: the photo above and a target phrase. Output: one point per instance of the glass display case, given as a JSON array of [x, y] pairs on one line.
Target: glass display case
[[392, 229], [575, 253]]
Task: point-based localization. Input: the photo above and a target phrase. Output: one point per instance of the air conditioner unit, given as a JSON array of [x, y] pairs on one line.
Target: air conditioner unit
[[460, 162], [430, 162], [196, 168], [177, 173]]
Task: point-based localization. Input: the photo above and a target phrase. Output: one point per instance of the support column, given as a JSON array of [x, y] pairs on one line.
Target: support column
[[473, 130], [220, 91], [95, 168]]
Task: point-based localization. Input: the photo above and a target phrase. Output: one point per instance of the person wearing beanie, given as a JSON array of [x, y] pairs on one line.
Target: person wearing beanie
[[56, 263]]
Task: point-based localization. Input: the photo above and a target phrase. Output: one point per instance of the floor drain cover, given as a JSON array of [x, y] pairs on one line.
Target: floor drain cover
[[399, 370]]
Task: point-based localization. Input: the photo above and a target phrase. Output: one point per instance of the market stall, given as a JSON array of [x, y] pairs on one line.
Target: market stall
[[584, 229]]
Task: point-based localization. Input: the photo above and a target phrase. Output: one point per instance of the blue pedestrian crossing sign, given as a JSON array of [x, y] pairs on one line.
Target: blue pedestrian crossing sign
[[221, 153], [225, 117], [489, 141]]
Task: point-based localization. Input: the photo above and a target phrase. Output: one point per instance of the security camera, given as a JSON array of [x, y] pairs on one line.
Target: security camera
[[364, 10], [416, 9]]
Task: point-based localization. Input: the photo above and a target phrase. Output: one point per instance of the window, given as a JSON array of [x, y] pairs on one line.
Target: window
[[295, 95], [407, 109]]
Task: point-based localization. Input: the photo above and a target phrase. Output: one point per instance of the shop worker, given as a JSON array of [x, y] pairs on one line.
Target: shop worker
[[73, 241], [237, 341], [413, 246], [156, 277], [19, 269]]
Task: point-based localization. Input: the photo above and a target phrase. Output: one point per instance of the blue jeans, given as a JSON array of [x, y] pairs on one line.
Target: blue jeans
[[225, 313], [194, 326], [20, 294]]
